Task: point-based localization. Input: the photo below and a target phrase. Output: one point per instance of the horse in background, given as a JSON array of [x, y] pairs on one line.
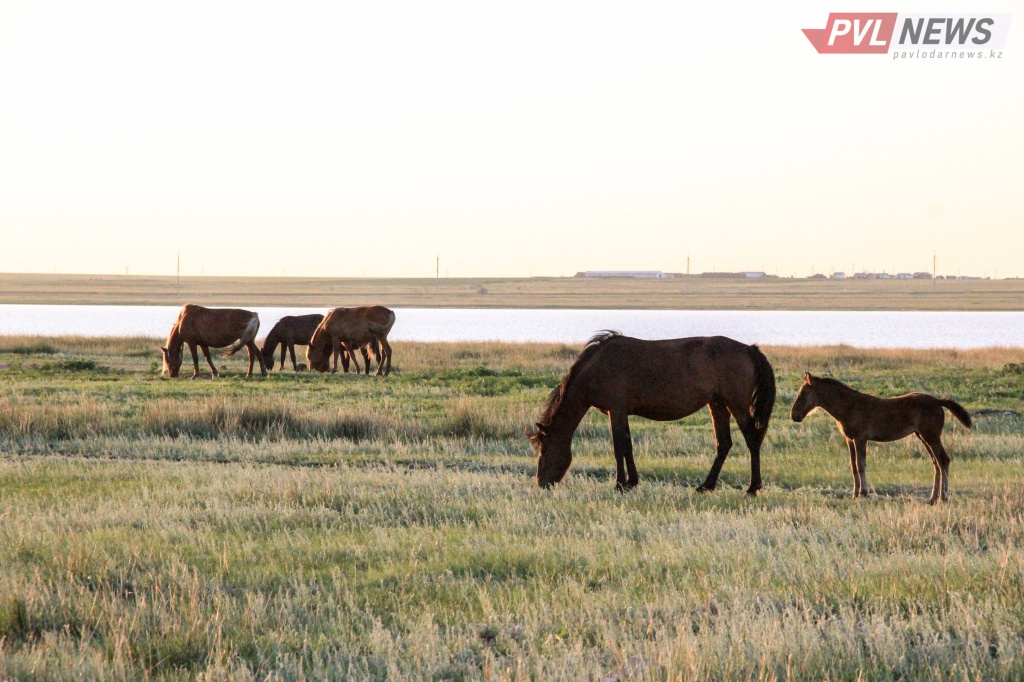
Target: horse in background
[[218, 327], [862, 417], [661, 380], [348, 330], [290, 331]]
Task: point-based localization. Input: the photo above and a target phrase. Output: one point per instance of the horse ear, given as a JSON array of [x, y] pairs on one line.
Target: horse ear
[[540, 429], [163, 350], [807, 377]]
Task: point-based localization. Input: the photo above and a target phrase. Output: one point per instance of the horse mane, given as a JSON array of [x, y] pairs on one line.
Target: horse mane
[[835, 383], [554, 400]]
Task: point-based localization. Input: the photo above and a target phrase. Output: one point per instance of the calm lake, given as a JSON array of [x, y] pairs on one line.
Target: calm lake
[[866, 329]]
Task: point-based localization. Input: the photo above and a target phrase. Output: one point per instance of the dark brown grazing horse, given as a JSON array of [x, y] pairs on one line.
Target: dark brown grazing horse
[[290, 331], [217, 327], [662, 380], [862, 417], [348, 330]]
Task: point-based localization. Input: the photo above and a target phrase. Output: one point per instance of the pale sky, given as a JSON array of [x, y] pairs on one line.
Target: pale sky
[[511, 138]]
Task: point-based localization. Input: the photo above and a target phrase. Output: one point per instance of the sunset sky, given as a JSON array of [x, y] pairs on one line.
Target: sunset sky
[[511, 138]]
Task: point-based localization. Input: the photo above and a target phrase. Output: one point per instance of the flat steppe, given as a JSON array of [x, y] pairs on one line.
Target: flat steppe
[[693, 293]]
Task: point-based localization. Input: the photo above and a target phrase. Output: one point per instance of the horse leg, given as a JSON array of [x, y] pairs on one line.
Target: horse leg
[[853, 466], [862, 465], [625, 470], [195, 360], [209, 361], [936, 471], [291, 351], [385, 349], [366, 358], [753, 439], [723, 443], [255, 354], [942, 460], [352, 357]]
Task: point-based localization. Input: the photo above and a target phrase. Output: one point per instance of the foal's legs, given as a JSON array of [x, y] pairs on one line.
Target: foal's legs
[[862, 466], [623, 444], [352, 357], [853, 466], [723, 443], [209, 360], [940, 460]]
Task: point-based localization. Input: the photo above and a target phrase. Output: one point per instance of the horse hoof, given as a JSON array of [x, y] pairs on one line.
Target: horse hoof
[[704, 489], [752, 493]]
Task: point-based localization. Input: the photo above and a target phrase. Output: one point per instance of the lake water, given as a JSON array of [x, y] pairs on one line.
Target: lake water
[[865, 329]]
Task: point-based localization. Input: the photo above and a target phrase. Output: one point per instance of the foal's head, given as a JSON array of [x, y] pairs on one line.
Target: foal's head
[[554, 455], [806, 399], [172, 360]]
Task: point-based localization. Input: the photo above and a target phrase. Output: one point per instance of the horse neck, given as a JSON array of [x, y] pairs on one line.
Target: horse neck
[[567, 416], [836, 400], [270, 343], [174, 339]]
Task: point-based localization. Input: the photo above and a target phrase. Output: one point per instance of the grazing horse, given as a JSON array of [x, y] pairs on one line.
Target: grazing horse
[[290, 331], [348, 330], [661, 380], [217, 327], [862, 417]]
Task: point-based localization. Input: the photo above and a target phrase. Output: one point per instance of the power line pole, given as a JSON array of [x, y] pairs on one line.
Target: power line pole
[[437, 267], [177, 277]]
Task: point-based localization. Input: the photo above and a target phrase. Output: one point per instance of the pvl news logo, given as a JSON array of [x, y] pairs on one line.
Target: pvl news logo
[[907, 36]]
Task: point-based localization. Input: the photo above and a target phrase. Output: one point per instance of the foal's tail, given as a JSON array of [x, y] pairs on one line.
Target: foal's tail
[[246, 338], [763, 399], [957, 410]]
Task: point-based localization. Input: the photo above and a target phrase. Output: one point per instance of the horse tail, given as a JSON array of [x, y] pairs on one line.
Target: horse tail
[[246, 338], [763, 399], [376, 328], [957, 410]]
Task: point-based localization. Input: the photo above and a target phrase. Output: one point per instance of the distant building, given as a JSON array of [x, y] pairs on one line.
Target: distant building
[[922, 275], [838, 275], [753, 275], [905, 275], [635, 274], [817, 275]]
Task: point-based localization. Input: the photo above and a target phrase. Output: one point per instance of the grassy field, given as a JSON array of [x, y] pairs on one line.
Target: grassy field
[[309, 527], [538, 292]]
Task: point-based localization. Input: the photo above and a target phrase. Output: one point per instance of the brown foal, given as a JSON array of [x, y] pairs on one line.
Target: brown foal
[[862, 417]]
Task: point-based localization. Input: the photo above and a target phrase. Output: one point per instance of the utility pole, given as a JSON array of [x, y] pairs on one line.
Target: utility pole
[[687, 265], [934, 271], [177, 277], [437, 267]]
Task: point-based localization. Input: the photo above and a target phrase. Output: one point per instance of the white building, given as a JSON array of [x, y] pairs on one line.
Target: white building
[[637, 274]]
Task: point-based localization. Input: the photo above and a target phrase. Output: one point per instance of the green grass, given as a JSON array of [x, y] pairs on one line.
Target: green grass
[[307, 527]]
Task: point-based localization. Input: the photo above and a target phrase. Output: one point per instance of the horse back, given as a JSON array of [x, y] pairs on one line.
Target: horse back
[[670, 378], [358, 326], [216, 327]]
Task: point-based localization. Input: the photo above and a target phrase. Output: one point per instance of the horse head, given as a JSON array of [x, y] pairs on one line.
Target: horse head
[[806, 399], [554, 455], [318, 353], [172, 360]]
